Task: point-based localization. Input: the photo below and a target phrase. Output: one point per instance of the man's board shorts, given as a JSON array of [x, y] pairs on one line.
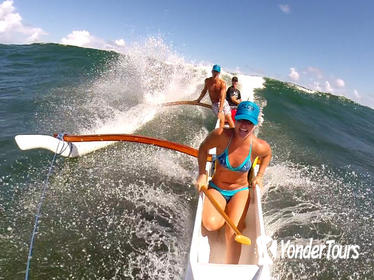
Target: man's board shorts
[[226, 108], [233, 111]]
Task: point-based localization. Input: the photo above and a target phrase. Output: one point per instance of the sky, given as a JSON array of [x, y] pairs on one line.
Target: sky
[[322, 45]]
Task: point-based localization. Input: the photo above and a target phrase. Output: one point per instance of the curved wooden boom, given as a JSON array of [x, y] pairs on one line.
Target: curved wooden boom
[[187, 103], [134, 138]]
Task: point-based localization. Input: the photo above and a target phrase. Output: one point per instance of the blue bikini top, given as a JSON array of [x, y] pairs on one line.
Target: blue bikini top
[[223, 159]]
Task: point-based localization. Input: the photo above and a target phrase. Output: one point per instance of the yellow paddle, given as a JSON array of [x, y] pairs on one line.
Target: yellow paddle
[[187, 103], [238, 236]]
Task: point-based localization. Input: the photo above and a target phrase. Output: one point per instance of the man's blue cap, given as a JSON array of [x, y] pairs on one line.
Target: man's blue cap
[[249, 111], [216, 68]]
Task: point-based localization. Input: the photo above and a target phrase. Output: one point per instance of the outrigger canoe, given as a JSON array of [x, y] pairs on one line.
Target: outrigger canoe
[[207, 248], [207, 252]]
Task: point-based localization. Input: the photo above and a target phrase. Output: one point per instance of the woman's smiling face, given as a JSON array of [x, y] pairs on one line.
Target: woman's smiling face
[[243, 128]]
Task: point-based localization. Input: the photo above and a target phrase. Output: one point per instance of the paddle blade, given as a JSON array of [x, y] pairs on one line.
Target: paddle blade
[[243, 239], [251, 173]]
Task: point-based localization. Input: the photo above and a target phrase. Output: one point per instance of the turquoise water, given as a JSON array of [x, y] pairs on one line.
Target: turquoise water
[[126, 211], [322, 184]]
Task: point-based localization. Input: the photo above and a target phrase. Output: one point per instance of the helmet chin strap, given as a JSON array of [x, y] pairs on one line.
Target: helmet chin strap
[[250, 133], [252, 129]]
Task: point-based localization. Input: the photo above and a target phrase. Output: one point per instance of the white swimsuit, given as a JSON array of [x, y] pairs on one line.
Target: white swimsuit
[[226, 108]]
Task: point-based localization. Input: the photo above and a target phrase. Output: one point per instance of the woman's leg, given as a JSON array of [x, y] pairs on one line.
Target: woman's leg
[[236, 210], [212, 219]]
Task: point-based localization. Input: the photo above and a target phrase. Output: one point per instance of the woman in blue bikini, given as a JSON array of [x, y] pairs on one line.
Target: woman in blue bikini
[[236, 149]]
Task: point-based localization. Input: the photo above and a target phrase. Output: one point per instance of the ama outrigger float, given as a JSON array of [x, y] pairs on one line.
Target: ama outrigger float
[[207, 249]]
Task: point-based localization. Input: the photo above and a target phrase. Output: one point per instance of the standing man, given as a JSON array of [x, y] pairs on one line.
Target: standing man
[[217, 92]]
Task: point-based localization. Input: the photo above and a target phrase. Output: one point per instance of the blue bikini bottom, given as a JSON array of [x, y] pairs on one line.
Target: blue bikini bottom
[[227, 194]]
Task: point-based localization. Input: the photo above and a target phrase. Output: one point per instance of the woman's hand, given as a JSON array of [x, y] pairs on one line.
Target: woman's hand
[[201, 180], [258, 181], [220, 115]]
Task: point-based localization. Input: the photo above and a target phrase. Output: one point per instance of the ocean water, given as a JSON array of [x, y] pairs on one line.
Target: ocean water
[[320, 183], [126, 211]]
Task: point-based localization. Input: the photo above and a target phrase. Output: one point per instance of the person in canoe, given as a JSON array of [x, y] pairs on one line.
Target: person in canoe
[[217, 93], [233, 96], [236, 149]]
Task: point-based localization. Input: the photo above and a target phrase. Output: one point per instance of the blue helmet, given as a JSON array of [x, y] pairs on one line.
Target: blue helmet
[[216, 68], [248, 111]]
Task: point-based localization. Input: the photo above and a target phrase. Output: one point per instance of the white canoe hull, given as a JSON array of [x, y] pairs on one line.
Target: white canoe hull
[[208, 248]]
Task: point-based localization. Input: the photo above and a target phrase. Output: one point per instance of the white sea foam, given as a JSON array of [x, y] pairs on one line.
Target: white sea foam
[[249, 84], [149, 74]]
